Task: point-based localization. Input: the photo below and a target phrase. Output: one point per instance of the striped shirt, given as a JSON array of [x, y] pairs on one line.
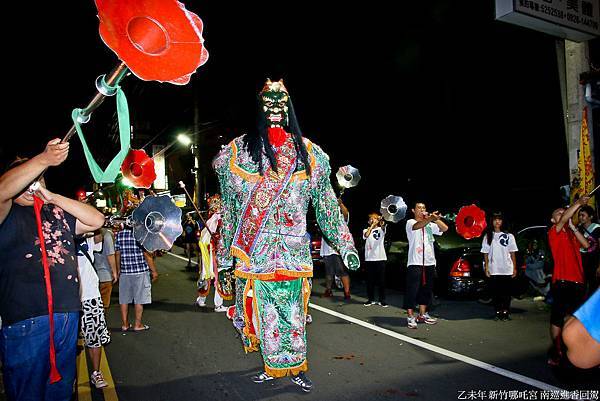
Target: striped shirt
[[132, 253]]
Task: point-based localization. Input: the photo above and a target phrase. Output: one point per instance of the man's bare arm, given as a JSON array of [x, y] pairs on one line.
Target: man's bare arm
[[570, 212], [88, 218], [15, 180]]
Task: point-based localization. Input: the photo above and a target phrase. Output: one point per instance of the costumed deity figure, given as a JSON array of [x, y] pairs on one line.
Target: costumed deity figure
[[129, 202], [267, 180], [209, 269]]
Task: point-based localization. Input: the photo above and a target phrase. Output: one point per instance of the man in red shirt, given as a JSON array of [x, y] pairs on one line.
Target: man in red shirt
[[567, 279]]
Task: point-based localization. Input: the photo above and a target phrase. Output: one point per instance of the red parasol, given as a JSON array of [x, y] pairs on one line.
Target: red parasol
[[159, 40], [138, 168], [470, 222]]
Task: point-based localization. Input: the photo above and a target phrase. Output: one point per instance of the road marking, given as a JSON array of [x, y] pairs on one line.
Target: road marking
[[84, 391], [439, 350], [433, 348], [110, 392], [84, 387], [181, 257]]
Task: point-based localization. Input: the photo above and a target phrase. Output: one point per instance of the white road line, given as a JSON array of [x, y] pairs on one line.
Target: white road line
[[439, 350], [433, 348], [181, 257]]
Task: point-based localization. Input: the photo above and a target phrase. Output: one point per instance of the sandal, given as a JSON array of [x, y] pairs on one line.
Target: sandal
[[144, 328], [124, 329]]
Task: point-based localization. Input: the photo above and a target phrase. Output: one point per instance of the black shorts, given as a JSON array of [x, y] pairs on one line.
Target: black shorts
[[190, 239], [567, 296], [334, 266]]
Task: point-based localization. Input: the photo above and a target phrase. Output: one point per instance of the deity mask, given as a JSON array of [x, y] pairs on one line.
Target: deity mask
[[274, 101], [214, 204]]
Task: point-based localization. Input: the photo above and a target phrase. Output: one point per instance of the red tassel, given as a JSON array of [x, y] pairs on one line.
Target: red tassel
[[37, 206], [277, 136]]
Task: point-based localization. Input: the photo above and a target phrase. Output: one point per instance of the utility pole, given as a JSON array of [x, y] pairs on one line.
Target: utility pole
[[196, 171], [573, 60], [196, 146]]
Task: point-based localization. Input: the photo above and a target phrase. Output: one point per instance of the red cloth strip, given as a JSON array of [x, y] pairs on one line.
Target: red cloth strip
[[37, 206]]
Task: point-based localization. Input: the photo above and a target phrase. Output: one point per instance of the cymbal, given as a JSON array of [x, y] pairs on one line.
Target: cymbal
[[348, 176], [157, 223], [393, 208]]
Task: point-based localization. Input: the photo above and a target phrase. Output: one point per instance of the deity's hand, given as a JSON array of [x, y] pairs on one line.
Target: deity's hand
[[352, 261]]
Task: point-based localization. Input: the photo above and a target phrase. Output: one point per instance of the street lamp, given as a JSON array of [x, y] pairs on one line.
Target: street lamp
[[187, 141], [184, 139]]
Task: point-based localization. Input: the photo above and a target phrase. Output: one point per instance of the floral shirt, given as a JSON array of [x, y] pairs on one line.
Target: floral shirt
[[282, 244], [22, 285]]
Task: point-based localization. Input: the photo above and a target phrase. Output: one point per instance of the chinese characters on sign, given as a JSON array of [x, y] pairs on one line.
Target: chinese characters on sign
[[501, 395], [571, 19]]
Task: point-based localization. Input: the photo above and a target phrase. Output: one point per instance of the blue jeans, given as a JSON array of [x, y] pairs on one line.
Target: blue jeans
[[25, 354]]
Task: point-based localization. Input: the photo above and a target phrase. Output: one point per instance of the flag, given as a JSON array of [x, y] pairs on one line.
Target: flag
[[585, 165]]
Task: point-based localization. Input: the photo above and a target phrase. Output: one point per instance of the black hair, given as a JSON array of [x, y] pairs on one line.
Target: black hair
[[257, 142], [489, 235], [590, 212]]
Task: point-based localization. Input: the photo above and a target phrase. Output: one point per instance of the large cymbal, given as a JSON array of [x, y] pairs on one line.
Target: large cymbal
[[157, 223], [347, 176], [393, 208]]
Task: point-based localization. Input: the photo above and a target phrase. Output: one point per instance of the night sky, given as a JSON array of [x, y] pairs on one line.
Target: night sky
[[432, 101]]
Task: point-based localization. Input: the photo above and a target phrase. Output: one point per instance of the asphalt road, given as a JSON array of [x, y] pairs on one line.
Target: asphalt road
[[194, 354]]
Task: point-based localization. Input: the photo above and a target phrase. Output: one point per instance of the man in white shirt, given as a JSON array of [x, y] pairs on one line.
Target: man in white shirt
[[421, 262], [375, 258], [334, 265]]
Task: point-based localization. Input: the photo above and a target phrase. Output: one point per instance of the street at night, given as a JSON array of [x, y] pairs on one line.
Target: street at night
[[191, 353], [275, 200]]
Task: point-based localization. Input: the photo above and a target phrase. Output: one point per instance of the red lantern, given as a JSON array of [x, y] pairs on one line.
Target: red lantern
[[159, 40], [138, 168], [470, 222]]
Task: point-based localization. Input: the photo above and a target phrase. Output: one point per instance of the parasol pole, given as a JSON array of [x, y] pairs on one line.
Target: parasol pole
[[106, 87], [593, 191], [182, 185]]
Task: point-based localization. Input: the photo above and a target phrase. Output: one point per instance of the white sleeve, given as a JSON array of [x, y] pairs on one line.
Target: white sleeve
[[365, 233], [435, 229], [512, 244], [98, 247], [485, 247]]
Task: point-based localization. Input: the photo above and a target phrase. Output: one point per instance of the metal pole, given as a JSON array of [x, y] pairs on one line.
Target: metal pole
[[195, 150], [114, 77]]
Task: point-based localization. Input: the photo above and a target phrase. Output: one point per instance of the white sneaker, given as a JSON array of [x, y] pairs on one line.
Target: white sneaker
[[98, 380], [425, 318], [221, 309], [412, 322], [200, 303]]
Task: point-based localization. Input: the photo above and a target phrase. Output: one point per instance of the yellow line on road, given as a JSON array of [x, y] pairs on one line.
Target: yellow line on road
[[110, 393], [84, 387], [84, 390]]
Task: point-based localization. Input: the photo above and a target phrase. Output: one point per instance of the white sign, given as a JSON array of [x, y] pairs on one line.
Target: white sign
[[576, 20], [159, 167]]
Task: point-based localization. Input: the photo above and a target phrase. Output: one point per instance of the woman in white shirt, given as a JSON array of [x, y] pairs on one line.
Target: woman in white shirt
[[375, 259], [499, 248]]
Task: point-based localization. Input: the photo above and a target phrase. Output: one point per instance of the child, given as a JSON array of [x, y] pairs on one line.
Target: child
[[421, 263], [93, 323], [499, 249], [375, 258]]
